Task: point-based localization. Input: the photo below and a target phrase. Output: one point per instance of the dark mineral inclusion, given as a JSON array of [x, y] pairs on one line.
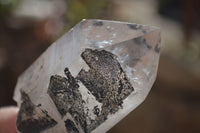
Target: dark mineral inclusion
[[32, 119], [105, 80], [71, 128]]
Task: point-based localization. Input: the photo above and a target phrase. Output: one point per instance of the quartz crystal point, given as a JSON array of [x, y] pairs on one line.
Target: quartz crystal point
[[89, 79]]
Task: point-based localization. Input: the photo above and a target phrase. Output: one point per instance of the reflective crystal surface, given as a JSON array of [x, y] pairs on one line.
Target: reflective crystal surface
[[89, 79]]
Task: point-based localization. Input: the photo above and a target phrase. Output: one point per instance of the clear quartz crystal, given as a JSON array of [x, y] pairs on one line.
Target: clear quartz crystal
[[89, 79]]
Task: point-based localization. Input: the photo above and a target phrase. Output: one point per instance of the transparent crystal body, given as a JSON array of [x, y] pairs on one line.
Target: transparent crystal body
[[69, 86]]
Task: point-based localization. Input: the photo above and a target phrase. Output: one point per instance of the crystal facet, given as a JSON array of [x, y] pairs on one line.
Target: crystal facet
[[89, 79]]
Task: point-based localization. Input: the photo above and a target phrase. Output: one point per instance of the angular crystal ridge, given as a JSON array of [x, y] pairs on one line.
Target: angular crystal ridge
[[90, 78]]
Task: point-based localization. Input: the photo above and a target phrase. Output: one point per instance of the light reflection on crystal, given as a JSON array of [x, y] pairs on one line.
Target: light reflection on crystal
[[103, 43]]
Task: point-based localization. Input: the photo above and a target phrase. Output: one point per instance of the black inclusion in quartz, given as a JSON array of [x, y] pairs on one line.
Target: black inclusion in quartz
[[67, 98], [132, 26], [141, 41], [32, 119], [70, 126], [105, 79], [97, 23], [157, 49], [63, 90]]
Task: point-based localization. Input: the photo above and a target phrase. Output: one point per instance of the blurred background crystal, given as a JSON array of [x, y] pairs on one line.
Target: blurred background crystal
[[28, 27]]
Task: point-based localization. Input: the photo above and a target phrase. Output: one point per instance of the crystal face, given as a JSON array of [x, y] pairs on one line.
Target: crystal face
[[89, 79]]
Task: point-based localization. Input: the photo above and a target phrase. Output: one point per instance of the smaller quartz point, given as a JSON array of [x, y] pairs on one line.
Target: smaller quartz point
[[89, 79]]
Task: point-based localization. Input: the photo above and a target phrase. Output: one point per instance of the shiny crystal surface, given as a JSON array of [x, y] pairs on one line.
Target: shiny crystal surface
[[89, 79]]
